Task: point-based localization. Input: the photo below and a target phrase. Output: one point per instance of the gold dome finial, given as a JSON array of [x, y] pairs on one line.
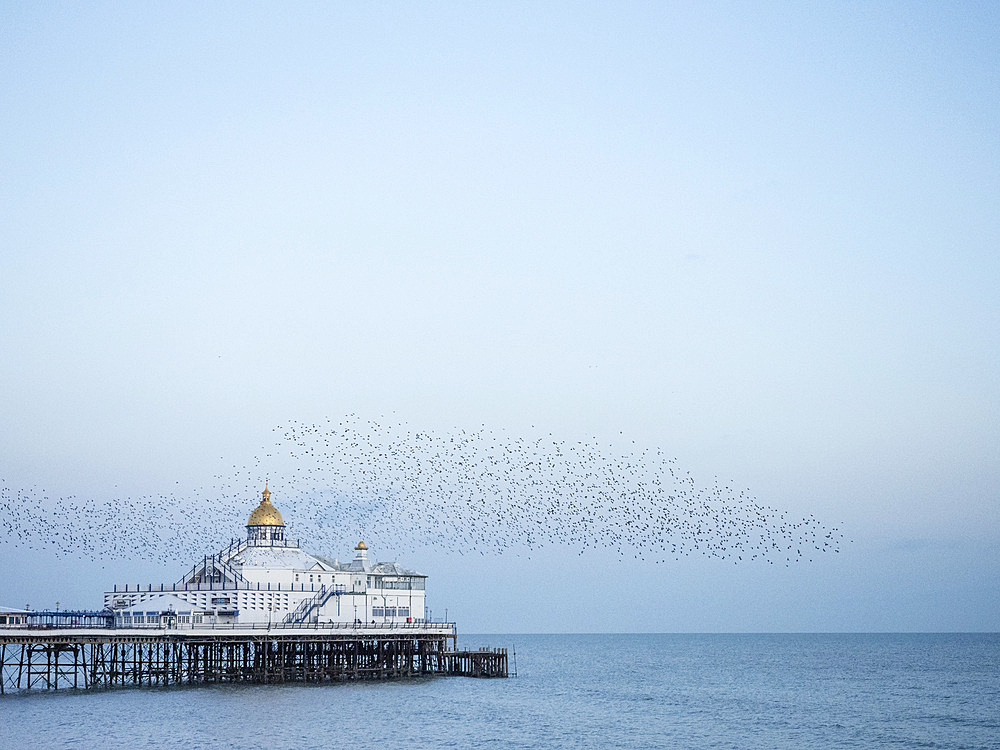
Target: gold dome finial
[[266, 514], [361, 545]]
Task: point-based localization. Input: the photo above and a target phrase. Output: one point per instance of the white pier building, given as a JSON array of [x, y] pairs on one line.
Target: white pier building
[[267, 578]]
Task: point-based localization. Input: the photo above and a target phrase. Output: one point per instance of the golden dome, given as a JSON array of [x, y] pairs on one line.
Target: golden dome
[[361, 545], [266, 514]]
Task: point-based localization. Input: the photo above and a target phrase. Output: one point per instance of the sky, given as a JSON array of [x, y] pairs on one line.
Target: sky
[[759, 236]]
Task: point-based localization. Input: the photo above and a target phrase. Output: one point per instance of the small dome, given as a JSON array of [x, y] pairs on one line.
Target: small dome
[[361, 545], [266, 514]]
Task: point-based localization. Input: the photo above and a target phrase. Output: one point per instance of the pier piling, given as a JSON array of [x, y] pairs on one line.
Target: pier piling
[[95, 659]]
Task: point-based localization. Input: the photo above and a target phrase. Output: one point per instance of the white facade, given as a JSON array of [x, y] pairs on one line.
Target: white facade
[[267, 578], [12, 616]]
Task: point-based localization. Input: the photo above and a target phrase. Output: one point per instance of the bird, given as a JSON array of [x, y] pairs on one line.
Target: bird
[[461, 490]]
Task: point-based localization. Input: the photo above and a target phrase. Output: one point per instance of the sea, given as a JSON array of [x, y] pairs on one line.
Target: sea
[[576, 691]]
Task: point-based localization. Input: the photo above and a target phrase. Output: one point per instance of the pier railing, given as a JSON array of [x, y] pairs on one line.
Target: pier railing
[[318, 626], [377, 627], [128, 588]]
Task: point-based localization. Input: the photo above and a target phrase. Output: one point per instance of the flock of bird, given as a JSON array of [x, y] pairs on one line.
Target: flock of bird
[[464, 491]]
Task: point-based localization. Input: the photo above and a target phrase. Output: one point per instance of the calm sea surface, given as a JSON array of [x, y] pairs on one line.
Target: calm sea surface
[[684, 691]]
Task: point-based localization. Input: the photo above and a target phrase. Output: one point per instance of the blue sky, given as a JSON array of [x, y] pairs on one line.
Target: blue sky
[[760, 236]]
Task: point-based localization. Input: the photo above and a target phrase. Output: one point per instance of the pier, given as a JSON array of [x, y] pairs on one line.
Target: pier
[[99, 657], [262, 610]]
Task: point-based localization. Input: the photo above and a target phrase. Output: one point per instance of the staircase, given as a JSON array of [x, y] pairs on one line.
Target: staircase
[[221, 563], [308, 609]]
